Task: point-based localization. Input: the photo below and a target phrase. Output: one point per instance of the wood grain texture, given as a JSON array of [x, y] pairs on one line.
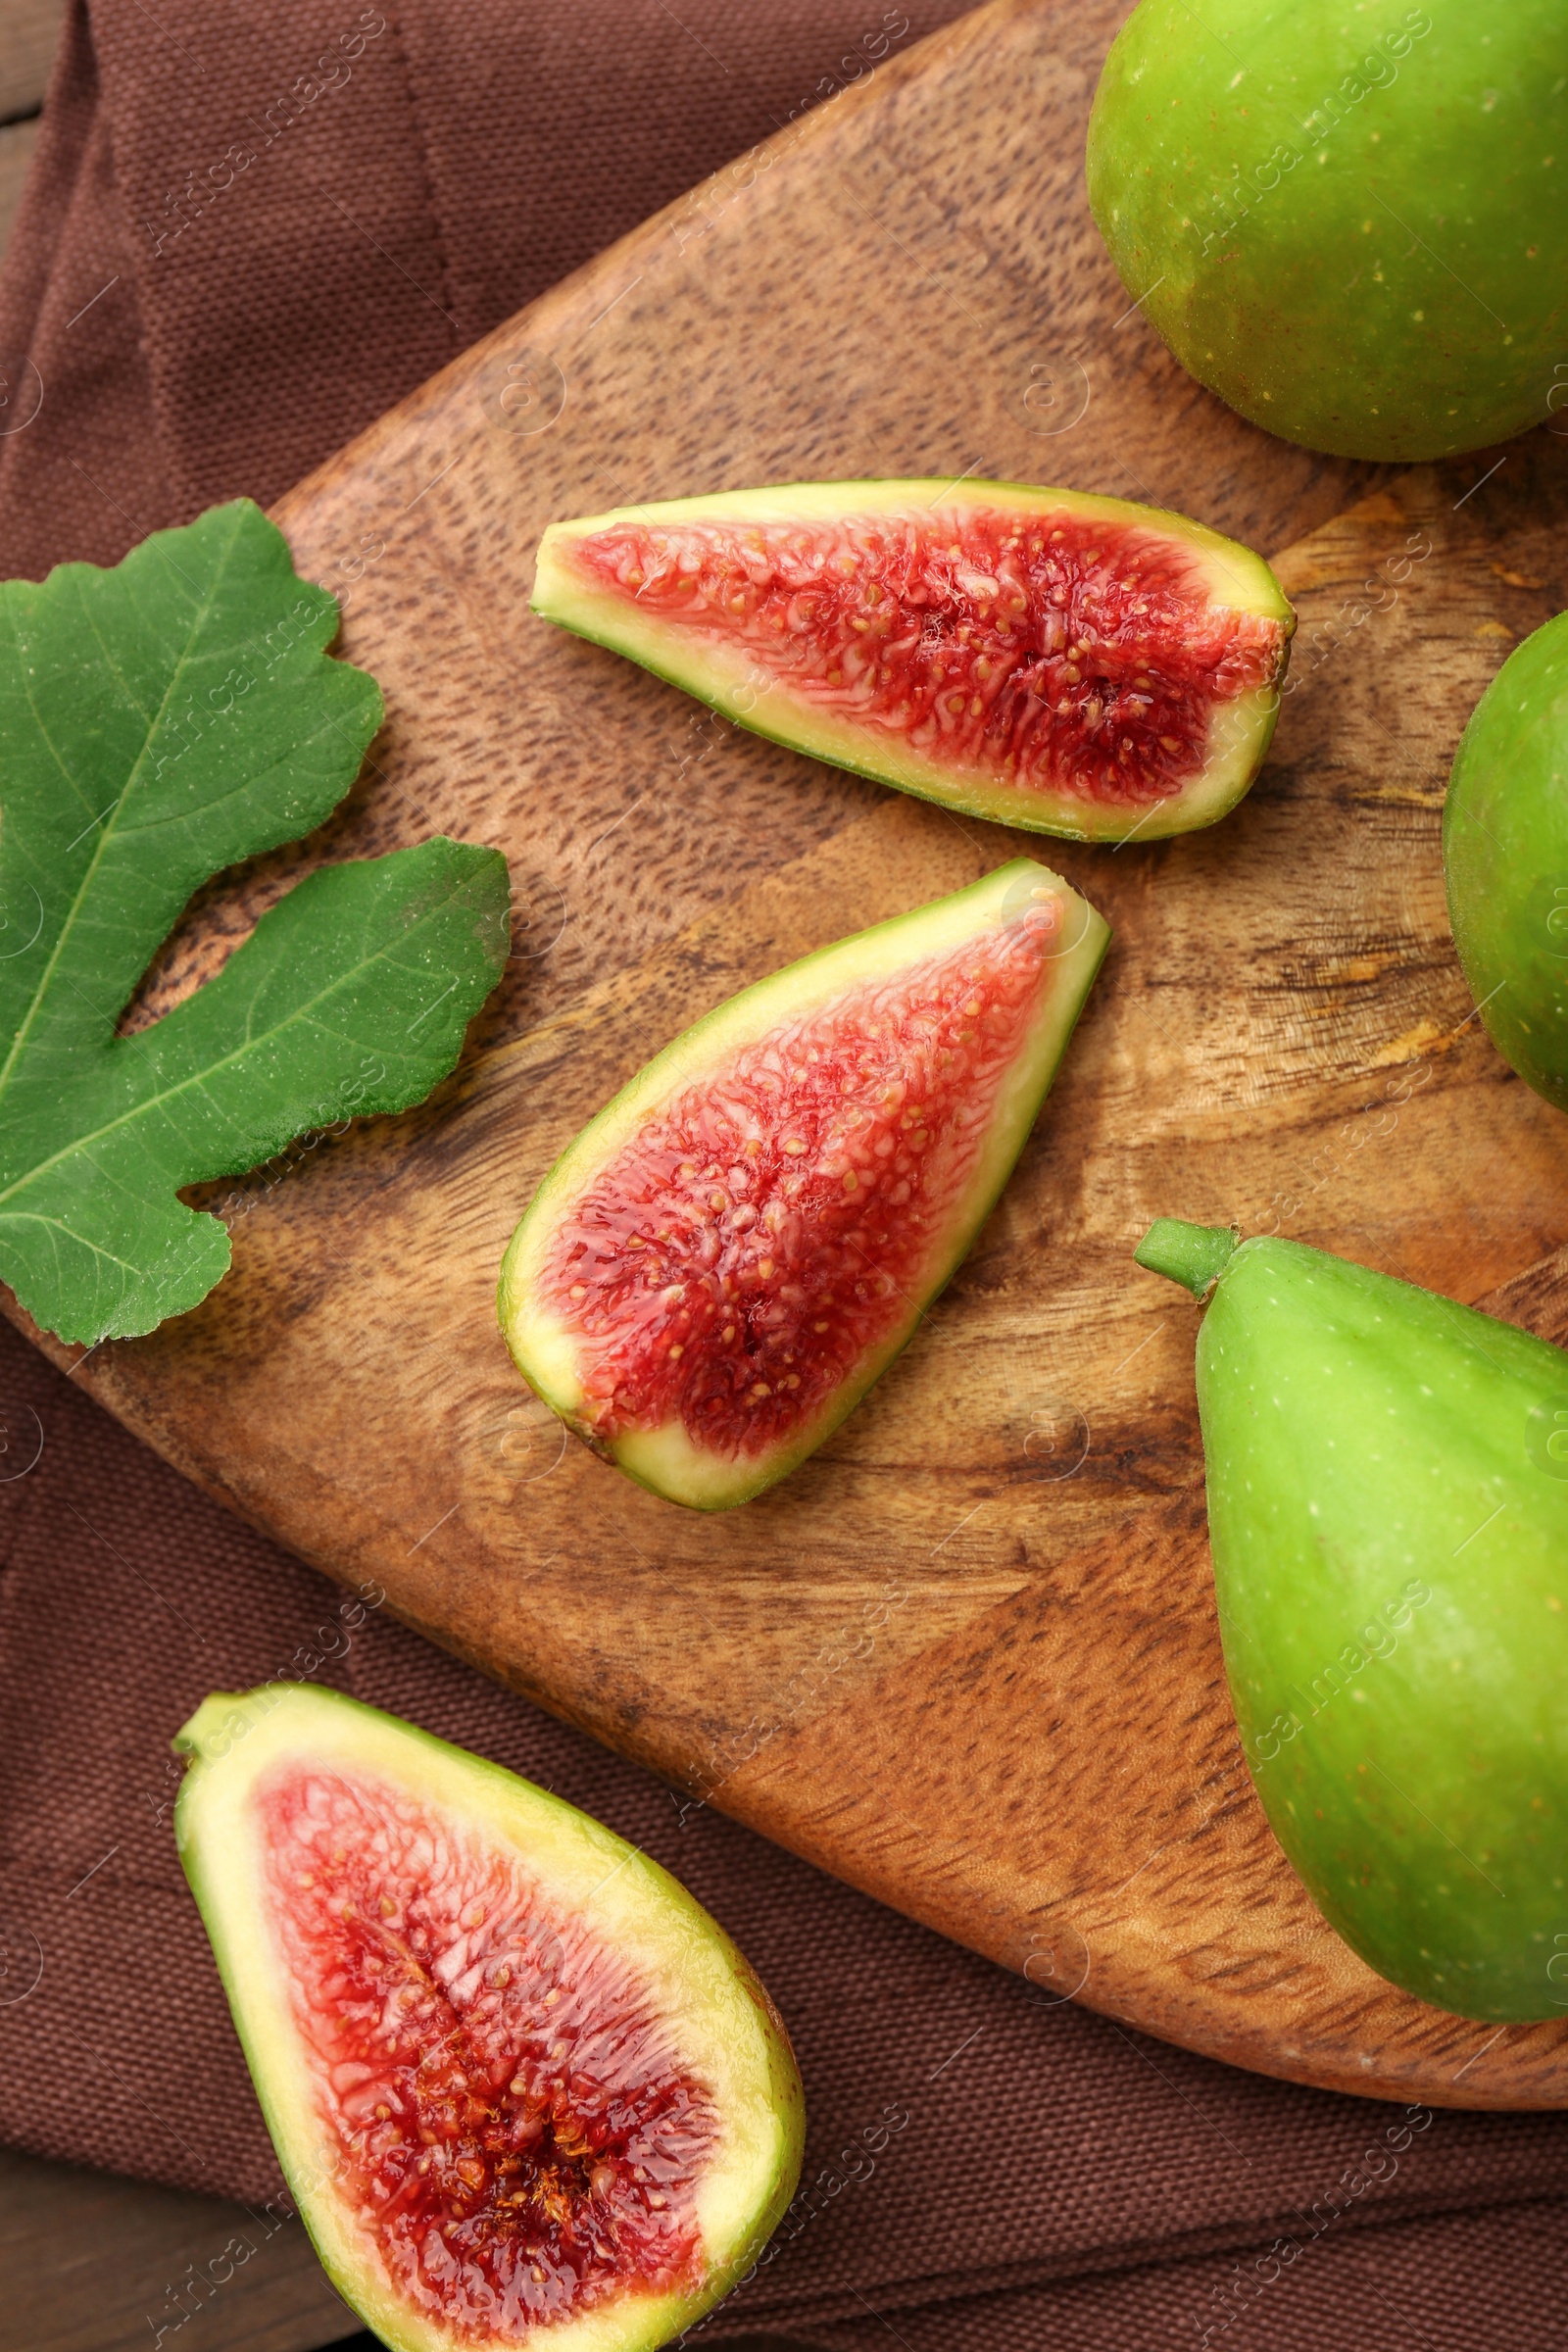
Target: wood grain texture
[[16, 143], [29, 33], [966, 1658], [89, 2263]]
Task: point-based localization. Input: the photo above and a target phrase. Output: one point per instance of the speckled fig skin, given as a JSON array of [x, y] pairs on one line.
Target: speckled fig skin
[[1387, 1511], [1347, 218], [1505, 858]]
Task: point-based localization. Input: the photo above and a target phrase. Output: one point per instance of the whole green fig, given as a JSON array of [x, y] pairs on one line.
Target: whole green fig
[[1388, 1508], [1505, 856], [1348, 222]]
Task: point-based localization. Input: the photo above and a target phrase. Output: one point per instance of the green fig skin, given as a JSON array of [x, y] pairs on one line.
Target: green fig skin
[[1348, 221], [1388, 1501], [1506, 859]]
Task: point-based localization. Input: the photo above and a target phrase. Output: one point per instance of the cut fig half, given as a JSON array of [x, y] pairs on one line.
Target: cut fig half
[[523, 2088], [714, 1274], [1068, 663]]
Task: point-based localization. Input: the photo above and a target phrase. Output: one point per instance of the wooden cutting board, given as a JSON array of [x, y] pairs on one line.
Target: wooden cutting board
[[967, 1656]]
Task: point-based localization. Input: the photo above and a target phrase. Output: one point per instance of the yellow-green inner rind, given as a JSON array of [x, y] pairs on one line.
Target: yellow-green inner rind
[[546, 1351], [727, 2031], [724, 676]]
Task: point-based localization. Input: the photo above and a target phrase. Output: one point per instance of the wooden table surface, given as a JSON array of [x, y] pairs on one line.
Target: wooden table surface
[[29, 31]]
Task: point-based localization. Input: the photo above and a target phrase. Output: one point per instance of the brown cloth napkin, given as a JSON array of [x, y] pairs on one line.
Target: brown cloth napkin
[[985, 2169]]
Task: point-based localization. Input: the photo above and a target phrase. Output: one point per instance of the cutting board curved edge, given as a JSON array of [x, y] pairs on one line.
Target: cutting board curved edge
[[967, 1657]]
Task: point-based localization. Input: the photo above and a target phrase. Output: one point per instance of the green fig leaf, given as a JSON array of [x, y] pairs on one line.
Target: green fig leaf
[[158, 722]]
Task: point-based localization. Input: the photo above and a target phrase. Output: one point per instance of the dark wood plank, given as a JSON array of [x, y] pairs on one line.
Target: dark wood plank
[[29, 31], [89, 2263], [16, 143]]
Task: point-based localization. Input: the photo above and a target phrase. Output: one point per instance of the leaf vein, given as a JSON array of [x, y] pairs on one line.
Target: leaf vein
[[73, 911], [301, 1015]]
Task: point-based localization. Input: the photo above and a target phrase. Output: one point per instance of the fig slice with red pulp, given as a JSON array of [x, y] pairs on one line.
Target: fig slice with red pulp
[[523, 2088], [1063, 663], [716, 1270]]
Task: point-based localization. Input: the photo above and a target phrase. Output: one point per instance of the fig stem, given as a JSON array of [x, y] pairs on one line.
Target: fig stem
[[1194, 1254]]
